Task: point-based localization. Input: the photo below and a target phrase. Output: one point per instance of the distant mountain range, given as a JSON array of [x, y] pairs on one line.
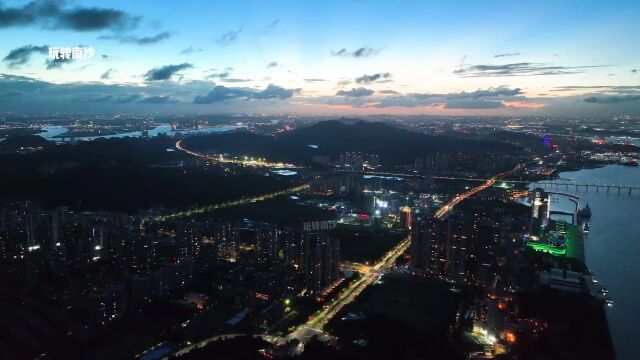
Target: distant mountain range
[[332, 138]]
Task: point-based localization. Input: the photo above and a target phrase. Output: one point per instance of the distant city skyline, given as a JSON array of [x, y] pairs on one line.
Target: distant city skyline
[[569, 58]]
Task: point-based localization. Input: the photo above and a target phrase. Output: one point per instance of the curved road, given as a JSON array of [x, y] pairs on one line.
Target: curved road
[[232, 203], [222, 160]]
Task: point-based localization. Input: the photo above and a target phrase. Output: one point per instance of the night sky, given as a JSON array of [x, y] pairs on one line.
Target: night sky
[[561, 58]]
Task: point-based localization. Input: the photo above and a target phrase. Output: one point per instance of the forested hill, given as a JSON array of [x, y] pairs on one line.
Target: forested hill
[[394, 145]]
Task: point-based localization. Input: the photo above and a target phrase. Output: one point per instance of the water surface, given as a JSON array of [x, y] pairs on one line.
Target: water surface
[[613, 247]]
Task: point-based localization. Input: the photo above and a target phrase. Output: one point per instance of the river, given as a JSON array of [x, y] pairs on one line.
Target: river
[[51, 132], [613, 247]]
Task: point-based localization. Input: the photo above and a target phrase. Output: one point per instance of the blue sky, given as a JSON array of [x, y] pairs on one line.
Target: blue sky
[[570, 58]]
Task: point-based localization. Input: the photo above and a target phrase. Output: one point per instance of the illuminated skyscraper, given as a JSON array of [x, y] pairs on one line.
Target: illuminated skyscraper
[[428, 247], [320, 260], [460, 248], [405, 217], [540, 208]]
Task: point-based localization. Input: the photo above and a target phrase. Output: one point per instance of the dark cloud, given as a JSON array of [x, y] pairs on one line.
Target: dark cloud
[[388, 92], [473, 104], [23, 84], [106, 75], [602, 89], [272, 64], [22, 55], [479, 99], [165, 72], [127, 99], [274, 92], [234, 80], [26, 94], [4, 78], [91, 19], [355, 92], [190, 50], [497, 92], [272, 25], [229, 37], [223, 93], [105, 57], [358, 53], [580, 87], [520, 69], [158, 100], [341, 52], [490, 92], [365, 52], [56, 64], [634, 70], [407, 101], [379, 77], [314, 80], [115, 99], [506, 54], [90, 99], [612, 99], [221, 75], [41, 96], [145, 40], [52, 14]]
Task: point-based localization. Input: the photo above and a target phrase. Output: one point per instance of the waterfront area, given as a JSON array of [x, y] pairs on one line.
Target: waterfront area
[[611, 247]]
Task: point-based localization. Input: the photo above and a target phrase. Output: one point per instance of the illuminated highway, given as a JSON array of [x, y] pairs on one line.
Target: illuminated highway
[[206, 342], [246, 161], [551, 182], [369, 274], [446, 208], [232, 203], [228, 204]]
